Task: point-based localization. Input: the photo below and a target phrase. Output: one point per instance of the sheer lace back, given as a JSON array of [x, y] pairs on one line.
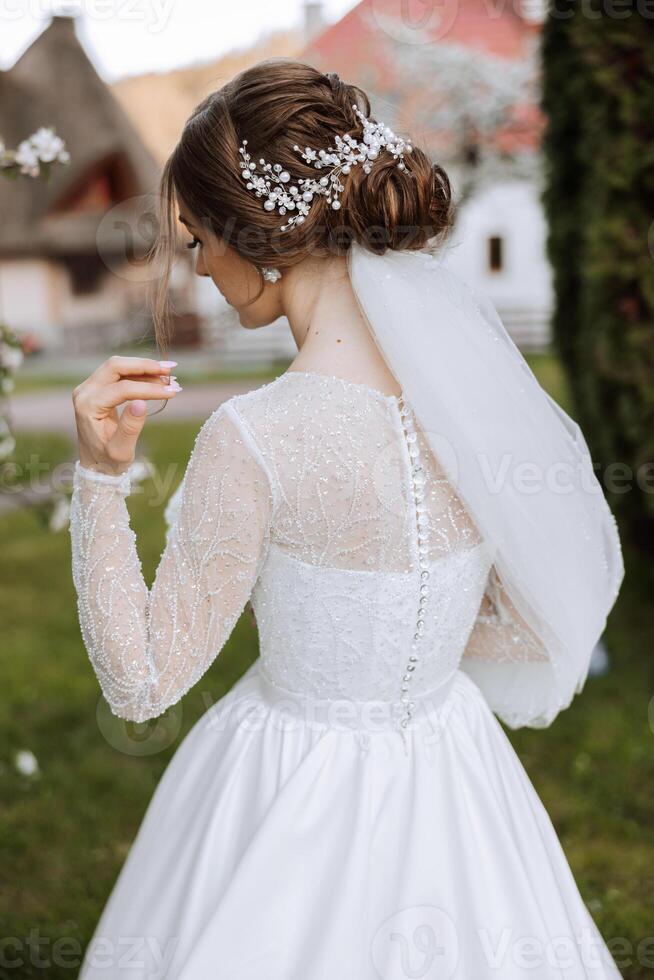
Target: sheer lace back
[[340, 466]]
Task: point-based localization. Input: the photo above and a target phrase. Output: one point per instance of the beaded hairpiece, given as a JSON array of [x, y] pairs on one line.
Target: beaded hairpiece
[[283, 195]]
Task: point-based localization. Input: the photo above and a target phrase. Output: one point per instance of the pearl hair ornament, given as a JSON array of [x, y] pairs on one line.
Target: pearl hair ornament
[[284, 195]]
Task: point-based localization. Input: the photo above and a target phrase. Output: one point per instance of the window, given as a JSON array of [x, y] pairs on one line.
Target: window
[[495, 253], [86, 272]]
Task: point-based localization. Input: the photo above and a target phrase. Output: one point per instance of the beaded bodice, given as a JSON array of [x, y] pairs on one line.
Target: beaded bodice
[[341, 633], [374, 574], [319, 499]]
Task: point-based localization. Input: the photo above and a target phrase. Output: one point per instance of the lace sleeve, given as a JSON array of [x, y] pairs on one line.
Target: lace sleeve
[[500, 634], [149, 647]]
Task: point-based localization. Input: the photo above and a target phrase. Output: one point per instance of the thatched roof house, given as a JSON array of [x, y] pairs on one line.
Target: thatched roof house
[[55, 84], [63, 265]]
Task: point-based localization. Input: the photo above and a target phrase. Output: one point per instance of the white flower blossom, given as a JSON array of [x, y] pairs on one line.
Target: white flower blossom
[[26, 763], [47, 144], [27, 159], [60, 514], [11, 358], [43, 146]]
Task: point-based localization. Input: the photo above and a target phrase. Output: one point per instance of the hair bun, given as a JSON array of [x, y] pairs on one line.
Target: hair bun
[[393, 208], [390, 207]]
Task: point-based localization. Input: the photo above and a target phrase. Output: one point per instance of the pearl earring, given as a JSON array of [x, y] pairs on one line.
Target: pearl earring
[[271, 275]]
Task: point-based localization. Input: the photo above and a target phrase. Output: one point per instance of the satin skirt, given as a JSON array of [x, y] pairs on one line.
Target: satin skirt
[[291, 839]]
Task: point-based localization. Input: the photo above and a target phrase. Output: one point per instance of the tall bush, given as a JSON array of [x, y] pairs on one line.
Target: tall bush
[[598, 96]]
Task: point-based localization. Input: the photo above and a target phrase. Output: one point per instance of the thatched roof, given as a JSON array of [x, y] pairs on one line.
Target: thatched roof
[[54, 84]]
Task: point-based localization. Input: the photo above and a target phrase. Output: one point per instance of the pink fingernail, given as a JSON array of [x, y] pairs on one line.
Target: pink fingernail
[[167, 364], [174, 387]]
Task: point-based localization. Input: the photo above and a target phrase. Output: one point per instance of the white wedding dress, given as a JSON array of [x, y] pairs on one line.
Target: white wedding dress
[[352, 809]]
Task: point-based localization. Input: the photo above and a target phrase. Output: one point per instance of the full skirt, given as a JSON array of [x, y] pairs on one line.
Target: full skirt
[[281, 847]]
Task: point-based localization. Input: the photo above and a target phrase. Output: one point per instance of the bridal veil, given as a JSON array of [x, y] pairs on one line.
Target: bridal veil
[[518, 462]]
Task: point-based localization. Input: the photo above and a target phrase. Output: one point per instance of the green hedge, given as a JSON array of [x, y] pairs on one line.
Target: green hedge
[[598, 97]]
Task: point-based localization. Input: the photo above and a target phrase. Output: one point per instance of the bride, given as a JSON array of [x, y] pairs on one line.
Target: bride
[[425, 545]]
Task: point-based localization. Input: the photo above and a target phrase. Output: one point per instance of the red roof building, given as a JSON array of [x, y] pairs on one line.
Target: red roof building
[[490, 26]]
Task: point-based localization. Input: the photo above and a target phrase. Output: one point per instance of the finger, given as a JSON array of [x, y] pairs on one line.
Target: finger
[[117, 367], [164, 378], [110, 396], [122, 444]]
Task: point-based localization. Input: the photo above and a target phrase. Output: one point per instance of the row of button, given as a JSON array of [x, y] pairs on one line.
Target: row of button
[[418, 482]]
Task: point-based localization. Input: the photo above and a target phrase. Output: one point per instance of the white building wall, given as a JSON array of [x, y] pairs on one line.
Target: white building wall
[[27, 297], [36, 298], [106, 303], [522, 289]]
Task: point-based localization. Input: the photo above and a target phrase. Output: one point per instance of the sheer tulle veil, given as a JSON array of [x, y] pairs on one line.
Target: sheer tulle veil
[[519, 463]]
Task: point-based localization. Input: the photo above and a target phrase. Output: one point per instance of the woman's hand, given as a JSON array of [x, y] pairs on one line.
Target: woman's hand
[[107, 440]]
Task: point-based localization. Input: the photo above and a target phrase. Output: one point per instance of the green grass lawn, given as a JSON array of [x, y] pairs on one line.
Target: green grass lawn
[[65, 833]]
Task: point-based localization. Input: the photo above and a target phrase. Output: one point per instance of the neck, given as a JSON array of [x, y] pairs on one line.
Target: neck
[[329, 329]]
